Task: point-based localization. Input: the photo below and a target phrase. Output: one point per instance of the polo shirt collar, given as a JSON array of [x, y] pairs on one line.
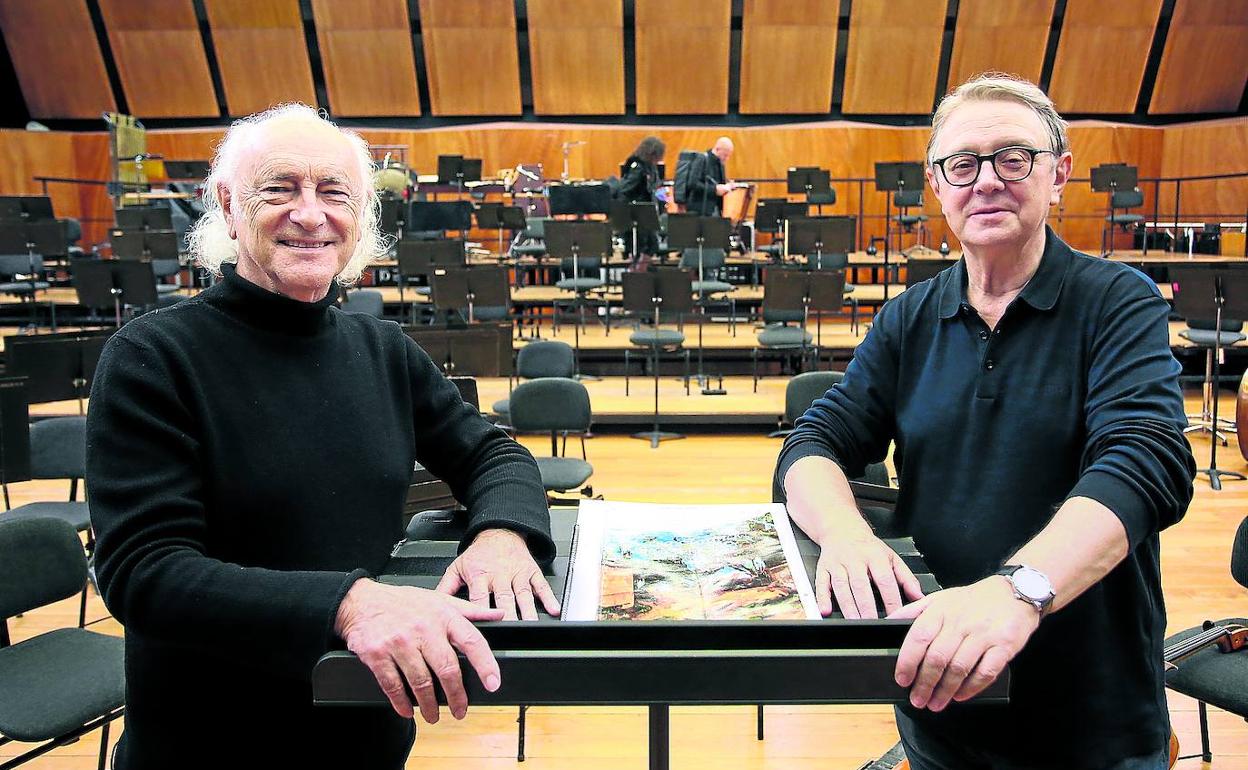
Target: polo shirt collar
[[1041, 292]]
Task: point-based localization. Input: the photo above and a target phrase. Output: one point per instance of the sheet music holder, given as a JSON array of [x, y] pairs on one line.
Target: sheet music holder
[[890, 178], [418, 259], [456, 170], [469, 288], [627, 216], [572, 240], [195, 170], [1110, 177], [691, 231], [25, 208], [480, 350], [808, 180], [429, 216], [393, 214], [14, 433], [144, 244], [131, 218], [921, 269], [1211, 291], [579, 199], [105, 282], [819, 235], [496, 216], [57, 367]]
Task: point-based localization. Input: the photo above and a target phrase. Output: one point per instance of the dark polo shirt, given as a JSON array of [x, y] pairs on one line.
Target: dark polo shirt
[[1075, 393]]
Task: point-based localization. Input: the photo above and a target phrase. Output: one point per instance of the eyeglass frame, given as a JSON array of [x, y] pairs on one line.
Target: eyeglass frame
[[980, 159]]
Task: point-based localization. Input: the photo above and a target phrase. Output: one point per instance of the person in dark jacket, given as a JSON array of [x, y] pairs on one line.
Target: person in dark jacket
[[708, 179], [249, 452], [639, 182], [1038, 422]]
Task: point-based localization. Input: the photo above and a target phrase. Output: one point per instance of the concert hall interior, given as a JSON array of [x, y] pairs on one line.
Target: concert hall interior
[[692, 212]]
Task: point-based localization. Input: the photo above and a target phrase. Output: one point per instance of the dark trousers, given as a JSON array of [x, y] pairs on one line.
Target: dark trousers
[[929, 750]]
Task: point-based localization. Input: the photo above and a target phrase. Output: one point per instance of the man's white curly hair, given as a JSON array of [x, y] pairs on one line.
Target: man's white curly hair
[[209, 239]]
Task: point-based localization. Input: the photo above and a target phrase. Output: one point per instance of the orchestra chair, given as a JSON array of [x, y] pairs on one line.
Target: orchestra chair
[[642, 301], [539, 358], [713, 263], [366, 301], [58, 450], [784, 303], [529, 242], [559, 406], [906, 200], [1121, 200], [1209, 675], [579, 276], [12, 269], [1201, 333], [800, 393], [836, 260], [165, 268], [64, 683]]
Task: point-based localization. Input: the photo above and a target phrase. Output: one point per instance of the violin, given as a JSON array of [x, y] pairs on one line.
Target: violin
[[1228, 638]]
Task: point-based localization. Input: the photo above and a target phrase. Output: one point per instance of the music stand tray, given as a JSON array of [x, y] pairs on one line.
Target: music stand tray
[[808, 180], [577, 239], [579, 199], [821, 235], [1109, 177], [894, 176]]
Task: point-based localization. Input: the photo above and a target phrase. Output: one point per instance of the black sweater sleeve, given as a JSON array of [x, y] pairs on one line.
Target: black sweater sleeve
[[493, 476], [144, 485]]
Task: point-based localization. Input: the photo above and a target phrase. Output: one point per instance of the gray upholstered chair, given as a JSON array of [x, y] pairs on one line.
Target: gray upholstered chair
[[1202, 333], [906, 200], [711, 282], [539, 358], [64, 683], [784, 302], [1208, 675], [558, 406], [367, 301], [800, 393]]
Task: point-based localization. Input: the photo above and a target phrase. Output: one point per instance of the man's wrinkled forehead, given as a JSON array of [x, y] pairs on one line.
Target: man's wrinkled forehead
[[299, 149], [976, 124]]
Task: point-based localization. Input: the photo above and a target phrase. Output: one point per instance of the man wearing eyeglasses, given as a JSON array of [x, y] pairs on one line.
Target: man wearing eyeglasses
[[1035, 407]]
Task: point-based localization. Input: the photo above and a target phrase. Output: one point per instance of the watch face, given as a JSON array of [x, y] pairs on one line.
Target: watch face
[[1032, 584]]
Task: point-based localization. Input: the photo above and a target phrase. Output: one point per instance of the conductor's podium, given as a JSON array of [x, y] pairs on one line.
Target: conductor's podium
[[652, 663]]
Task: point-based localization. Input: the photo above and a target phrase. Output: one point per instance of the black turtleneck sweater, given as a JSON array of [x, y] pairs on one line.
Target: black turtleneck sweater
[[247, 460]]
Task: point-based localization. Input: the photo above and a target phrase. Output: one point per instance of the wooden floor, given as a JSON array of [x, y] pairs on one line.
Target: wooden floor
[[737, 468]]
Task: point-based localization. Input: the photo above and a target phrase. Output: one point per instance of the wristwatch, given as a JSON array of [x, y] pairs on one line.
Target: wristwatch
[[1030, 584]]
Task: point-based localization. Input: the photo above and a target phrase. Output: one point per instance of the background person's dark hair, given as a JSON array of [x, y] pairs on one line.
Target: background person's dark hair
[[651, 149]]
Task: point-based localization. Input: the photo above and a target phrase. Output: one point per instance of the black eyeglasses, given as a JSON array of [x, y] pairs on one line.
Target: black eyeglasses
[[1012, 164]]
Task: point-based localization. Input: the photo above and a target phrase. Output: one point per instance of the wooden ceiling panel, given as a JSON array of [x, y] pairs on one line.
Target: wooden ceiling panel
[[471, 57], [366, 54], [1189, 78], [240, 28], [894, 51], [577, 52], [682, 56], [1101, 55], [54, 84], [160, 58], [788, 53], [1000, 36]]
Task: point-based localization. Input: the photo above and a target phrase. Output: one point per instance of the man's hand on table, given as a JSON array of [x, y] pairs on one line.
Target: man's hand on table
[[498, 562], [849, 563]]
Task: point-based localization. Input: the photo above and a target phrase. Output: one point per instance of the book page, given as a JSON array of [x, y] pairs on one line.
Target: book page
[[641, 561]]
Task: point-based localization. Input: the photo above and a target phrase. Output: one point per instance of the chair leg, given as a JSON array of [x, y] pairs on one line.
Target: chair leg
[[520, 720], [626, 358], [760, 722], [1205, 754], [103, 746], [754, 362]]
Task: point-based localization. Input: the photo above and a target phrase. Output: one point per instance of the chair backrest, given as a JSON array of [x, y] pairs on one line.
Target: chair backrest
[[364, 301], [58, 448], [803, 389], [545, 358], [163, 268], [822, 199], [12, 264], [1208, 324], [550, 404], [907, 198], [586, 267], [712, 259], [1126, 199], [785, 290], [41, 561], [1239, 554], [535, 228]]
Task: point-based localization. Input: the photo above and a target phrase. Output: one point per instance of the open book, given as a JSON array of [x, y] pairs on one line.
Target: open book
[[643, 561]]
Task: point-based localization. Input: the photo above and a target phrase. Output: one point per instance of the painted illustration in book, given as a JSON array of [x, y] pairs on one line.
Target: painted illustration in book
[[730, 569]]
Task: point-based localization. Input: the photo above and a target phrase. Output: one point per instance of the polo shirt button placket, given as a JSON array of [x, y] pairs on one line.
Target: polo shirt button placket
[[989, 364]]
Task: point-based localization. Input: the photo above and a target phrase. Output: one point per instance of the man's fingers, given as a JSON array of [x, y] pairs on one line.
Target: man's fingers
[[912, 610], [451, 581], [935, 661], [390, 681], [886, 582], [421, 682], [505, 600], [823, 591], [843, 592], [545, 593], [914, 647], [990, 667], [910, 585], [860, 585], [475, 611], [960, 667], [479, 589], [444, 664], [468, 640]]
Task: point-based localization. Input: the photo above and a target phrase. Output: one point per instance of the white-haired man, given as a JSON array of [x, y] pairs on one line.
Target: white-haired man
[[249, 451], [1035, 407]]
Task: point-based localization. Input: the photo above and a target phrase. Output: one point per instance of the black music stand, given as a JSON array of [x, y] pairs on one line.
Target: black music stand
[[14, 434], [568, 240], [691, 231], [1201, 292], [808, 181], [480, 350], [1110, 178], [144, 244], [773, 215], [636, 217], [25, 208], [33, 240], [891, 178], [823, 234], [457, 170], [420, 258], [57, 367], [919, 269], [429, 216], [392, 214], [467, 288], [579, 199], [496, 216], [104, 282], [668, 289]]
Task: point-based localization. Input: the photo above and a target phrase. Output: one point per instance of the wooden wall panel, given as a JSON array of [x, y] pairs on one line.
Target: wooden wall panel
[[682, 56], [1213, 147], [57, 58], [894, 50], [577, 52], [470, 56], [1101, 55], [160, 58], [788, 54], [243, 28], [1000, 36], [366, 54], [1190, 79]]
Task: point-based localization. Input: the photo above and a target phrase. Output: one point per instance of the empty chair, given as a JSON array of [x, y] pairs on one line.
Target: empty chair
[[800, 393], [64, 683], [708, 279], [784, 302], [1201, 333], [906, 200], [164, 268], [559, 406], [1119, 203], [367, 301], [539, 358]]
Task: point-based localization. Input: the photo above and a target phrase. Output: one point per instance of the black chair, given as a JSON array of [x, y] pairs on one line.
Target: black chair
[[1121, 200], [1201, 333], [906, 200], [539, 358], [713, 263], [836, 260], [800, 393], [62, 684], [784, 303], [366, 301], [1208, 675], [560, 406]]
